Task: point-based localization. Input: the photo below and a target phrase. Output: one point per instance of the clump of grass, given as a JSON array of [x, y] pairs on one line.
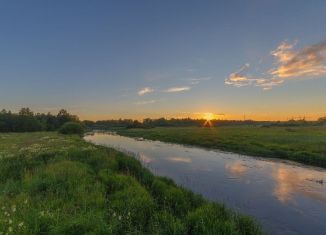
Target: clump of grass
[[77, 188]]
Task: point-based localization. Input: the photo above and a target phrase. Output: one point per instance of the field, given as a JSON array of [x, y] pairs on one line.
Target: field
[[302, 144], [56, 184]]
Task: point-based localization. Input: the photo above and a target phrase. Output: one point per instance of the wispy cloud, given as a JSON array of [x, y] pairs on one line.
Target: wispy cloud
[[145, 90], [308, 62], [177, 89], [195, 81], [239, 78], [146, 102]]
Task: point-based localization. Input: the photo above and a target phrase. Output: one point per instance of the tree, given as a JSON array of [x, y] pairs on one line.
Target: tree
[[63, 117], [25, 112]]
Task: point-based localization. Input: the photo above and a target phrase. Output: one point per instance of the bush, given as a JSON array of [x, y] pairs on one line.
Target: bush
[[70, 128]]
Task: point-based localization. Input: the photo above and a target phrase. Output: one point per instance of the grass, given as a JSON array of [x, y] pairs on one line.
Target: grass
[[56, 184], [302, 144]]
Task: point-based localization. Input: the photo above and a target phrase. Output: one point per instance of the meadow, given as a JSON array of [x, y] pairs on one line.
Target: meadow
[[305, 144], [59, 184]]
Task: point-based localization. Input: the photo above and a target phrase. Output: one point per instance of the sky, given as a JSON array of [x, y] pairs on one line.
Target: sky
[[263, 60]]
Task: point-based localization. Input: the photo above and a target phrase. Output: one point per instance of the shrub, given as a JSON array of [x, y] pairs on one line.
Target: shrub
[[70, 128]]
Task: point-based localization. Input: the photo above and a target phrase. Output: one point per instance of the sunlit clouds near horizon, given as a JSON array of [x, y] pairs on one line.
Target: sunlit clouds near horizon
[[289, 64]]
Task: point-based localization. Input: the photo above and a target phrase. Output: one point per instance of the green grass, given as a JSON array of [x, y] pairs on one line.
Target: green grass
[[302, 144], [56, 184]]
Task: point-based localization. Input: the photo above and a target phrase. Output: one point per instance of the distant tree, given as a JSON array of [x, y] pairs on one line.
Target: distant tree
[[25, 112], [322, 120], [63, 117], [26, 120]]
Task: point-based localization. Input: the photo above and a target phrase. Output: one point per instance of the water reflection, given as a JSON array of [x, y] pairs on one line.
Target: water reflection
[[290, 181], [180, 159], [145, 159], [286, 198], [237, 169]]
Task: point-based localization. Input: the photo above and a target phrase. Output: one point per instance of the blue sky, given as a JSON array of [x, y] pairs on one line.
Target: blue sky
[[135, 59]]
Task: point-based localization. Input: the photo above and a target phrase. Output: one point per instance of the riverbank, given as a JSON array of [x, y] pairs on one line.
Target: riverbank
[[301, 144], [56, 184]]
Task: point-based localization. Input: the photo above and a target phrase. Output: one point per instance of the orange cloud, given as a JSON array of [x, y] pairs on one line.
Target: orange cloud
[[240, 79], [308, 62]]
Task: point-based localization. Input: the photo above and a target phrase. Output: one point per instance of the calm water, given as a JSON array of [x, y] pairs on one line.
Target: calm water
[[286, 198]]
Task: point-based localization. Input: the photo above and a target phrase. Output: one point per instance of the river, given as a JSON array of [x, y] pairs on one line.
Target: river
[[285, 197]]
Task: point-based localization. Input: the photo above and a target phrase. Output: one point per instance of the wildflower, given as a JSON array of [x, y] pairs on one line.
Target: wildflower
[[119, 217], [13, 208], [25, 201], [114, 214], [10, 221], [21, 224], [10, 229]]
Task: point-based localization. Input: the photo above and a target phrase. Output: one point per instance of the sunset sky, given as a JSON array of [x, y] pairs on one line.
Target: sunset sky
[[136, 59]]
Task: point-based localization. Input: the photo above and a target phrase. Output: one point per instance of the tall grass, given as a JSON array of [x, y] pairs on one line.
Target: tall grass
[[77, 188]]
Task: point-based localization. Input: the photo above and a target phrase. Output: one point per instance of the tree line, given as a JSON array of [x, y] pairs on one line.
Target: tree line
[[188, 122], [28, 121]]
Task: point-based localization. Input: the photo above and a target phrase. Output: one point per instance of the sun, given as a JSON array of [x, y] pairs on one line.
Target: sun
[[208, 116]]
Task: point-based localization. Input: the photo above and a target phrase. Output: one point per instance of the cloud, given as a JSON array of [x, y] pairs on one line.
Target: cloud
[[145, 102], [178, 89], [238, 78], [195, 81], [268, 84], [145, 90], [308, 62]]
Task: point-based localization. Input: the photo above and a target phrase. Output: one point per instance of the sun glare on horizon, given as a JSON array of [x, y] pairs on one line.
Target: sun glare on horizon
[[209, 116]]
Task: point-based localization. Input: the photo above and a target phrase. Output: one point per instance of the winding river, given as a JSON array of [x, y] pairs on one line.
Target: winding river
[[285, 197]]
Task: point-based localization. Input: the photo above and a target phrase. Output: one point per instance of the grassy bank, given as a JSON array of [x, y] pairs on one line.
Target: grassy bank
[[302, 144], [55, 184]]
